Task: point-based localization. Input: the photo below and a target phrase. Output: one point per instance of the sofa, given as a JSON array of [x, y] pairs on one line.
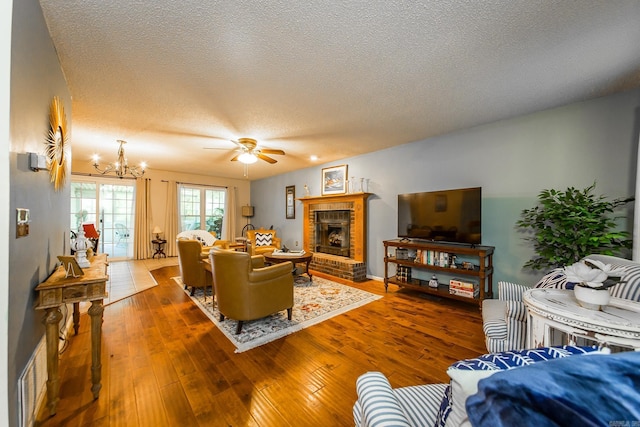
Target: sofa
[[527, 387], [504, 319]]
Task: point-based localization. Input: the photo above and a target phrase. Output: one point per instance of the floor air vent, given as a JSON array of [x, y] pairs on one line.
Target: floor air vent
[[32, 385]]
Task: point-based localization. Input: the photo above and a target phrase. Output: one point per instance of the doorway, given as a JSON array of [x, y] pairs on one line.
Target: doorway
[[109, 205]]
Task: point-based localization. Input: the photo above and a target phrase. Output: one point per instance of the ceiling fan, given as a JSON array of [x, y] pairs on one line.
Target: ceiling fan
[[249, 153]]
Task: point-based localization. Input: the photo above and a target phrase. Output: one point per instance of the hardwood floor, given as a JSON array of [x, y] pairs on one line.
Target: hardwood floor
[[165, 364]]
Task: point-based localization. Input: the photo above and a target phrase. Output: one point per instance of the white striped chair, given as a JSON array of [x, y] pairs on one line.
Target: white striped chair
[[630, 288], [504, 320], [380, 405]]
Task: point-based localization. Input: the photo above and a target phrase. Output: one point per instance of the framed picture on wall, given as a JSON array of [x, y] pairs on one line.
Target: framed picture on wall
[[290, 193], [334, 180]]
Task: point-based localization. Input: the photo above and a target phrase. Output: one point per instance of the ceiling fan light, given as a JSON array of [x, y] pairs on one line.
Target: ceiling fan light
[[247, 158]]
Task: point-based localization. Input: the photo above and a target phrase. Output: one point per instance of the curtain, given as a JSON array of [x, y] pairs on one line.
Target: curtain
[[142, 221], [229, 231], [171, 219]]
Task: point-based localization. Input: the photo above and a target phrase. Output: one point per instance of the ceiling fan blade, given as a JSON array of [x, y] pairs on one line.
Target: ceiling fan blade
[[238, 144], [235, 157], [266, 158], [271, 151]]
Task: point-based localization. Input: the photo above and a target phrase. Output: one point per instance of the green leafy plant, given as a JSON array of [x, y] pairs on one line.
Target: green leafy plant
[[568, 225]]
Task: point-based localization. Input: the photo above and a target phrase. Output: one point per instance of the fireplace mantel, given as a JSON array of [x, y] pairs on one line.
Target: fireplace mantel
[[336, 198], [355, 202]]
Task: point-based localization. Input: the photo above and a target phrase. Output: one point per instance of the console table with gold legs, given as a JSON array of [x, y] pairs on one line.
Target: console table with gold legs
[[58, 290]]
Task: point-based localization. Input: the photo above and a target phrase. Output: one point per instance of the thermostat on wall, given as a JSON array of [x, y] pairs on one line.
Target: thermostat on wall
[[22, 222]]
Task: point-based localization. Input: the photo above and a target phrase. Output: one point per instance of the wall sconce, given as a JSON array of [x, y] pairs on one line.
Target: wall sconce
[[37, 162]]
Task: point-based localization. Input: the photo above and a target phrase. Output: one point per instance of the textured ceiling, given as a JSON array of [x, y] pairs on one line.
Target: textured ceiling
[[334, 79]]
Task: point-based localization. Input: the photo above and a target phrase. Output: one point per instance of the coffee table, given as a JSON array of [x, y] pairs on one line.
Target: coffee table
[[557, 309], [277, 258]]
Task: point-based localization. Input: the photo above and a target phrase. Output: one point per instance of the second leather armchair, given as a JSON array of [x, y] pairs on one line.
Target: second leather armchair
[[246, 289]]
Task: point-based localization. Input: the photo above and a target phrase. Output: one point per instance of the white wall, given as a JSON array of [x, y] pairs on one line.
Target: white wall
[[5, 91], [36, 77], [512, 160]]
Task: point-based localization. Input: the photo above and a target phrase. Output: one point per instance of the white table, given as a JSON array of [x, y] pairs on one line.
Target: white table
[[557, 309]]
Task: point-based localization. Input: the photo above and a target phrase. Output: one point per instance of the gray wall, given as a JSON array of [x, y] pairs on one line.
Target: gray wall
[[36, 77], [512, 160]]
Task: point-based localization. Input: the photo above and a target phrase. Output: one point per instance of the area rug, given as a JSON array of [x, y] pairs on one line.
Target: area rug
[[314, 302]]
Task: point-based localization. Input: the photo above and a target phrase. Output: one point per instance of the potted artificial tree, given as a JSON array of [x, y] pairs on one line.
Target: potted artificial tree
[[568, 225]]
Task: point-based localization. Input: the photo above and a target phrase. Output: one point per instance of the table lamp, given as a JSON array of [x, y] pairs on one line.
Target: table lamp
[[157, 232]]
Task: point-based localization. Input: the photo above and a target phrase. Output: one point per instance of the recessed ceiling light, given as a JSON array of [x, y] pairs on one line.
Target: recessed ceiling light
[[313, 157]]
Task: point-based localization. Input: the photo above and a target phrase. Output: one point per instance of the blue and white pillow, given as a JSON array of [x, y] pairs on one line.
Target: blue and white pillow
[[465, 374], [513, 359], [445, 408]]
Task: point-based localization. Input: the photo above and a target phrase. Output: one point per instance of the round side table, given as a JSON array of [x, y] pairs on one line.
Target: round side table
[[557, 309], [159, 244]]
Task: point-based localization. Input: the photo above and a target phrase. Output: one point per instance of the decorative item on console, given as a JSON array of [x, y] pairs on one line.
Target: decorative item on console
[[357, 185], [452, 261], [80, 246], [468, 266], [402, 253], [404, 273], [433, 283]]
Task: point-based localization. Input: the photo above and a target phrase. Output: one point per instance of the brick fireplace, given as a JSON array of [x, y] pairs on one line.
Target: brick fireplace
[[335, 230]]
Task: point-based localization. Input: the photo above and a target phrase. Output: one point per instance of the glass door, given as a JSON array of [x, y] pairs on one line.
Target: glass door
[[117, 206], [110, 206]]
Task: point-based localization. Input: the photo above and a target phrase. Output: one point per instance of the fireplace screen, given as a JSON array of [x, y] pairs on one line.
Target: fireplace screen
[[332, 232]]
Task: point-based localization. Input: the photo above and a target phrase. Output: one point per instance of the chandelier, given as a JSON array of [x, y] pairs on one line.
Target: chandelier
[[120, 168]]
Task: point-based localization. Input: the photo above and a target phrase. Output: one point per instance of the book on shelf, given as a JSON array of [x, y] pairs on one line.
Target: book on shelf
[[464, 289]]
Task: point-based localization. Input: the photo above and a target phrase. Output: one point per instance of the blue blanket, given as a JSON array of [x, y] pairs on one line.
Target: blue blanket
[[589, 390]]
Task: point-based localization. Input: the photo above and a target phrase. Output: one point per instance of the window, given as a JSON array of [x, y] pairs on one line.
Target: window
[[202, 205]]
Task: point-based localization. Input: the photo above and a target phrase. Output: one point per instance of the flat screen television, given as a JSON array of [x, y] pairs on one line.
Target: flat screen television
[[447, 216]]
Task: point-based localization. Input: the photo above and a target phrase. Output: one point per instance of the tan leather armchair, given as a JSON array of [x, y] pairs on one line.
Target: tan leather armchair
[[246, 289], [262, 241], [224, 244], [192, 269]]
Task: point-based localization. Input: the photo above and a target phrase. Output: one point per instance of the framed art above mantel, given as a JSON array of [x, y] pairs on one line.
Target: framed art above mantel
[[334, 180]]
